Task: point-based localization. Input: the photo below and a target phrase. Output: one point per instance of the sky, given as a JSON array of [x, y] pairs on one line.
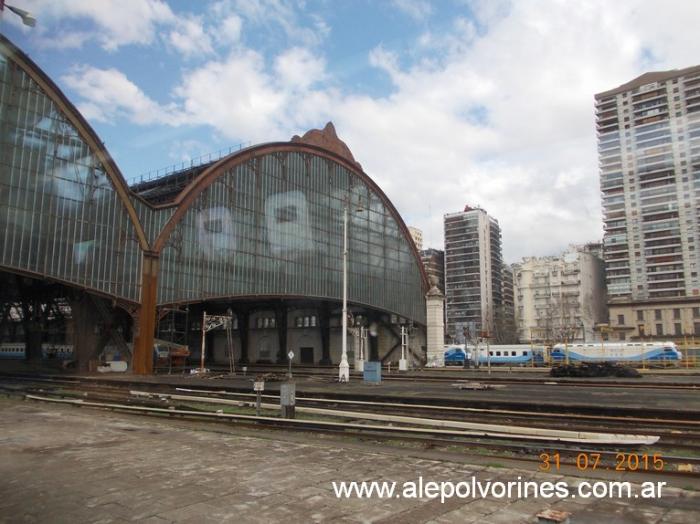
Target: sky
[[446, 103]]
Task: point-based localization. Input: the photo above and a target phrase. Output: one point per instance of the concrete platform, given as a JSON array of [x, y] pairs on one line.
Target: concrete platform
[[63, 464]]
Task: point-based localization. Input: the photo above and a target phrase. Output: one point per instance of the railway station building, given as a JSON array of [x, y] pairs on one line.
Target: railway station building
[[88, 261]]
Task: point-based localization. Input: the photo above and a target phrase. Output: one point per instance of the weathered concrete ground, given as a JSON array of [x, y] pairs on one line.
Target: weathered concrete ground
[[63, 464]]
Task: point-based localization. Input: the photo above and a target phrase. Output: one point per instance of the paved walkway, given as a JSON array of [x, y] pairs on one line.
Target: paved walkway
[[64, 464]]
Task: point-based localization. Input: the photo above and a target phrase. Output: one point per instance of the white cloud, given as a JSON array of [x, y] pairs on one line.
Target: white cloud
[[190, 38], [495, 111], [529, 74], [285, 15], [416, 9], [108, 94], [229, 31], [117, 22], [235, 96], [298, 68]]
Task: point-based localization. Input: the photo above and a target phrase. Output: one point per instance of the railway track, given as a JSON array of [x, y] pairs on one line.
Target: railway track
[[676, 444], [443, 376]]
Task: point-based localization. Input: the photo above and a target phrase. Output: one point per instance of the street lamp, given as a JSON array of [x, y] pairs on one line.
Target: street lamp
[[27, 18], [344, 367]]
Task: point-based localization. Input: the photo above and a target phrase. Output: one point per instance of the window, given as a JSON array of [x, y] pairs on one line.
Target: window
[[621, 336], [659, 329], [512, 353], [621, 320], [696, 312], [696, 328], [676, 314], [677, 329], [640, 315], [498, 353], [657, 314], [265, 322]]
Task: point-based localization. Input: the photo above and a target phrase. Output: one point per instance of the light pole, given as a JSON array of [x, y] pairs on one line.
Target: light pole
[[344, 367], [26, 16]]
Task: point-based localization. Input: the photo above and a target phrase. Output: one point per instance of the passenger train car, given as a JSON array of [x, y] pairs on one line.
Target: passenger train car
[[513, 355], [616, 352], [17, 351]]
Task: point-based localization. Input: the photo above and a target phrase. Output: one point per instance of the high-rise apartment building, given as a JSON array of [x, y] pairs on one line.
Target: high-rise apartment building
[[472, 272], [649, 155], [560, 298]]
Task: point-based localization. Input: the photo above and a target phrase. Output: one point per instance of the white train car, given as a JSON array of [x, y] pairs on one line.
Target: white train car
[[616, 352], [12, 351], [512, 354], [18, 351]]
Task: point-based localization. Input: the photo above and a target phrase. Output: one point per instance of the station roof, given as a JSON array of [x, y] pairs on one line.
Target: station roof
[[164, 190]]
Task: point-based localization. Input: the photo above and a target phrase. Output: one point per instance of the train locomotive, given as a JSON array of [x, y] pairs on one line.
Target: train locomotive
[[629, 352]]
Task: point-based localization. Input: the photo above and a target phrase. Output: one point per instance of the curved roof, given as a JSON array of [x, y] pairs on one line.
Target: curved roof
[[84, 129], [207, 177], [155, 220]]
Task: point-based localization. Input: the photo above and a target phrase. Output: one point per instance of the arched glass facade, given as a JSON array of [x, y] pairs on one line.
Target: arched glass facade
[[60, 216], [268, 222], [273, 226]]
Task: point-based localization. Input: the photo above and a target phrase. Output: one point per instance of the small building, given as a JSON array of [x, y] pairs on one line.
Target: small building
[[560, 298]]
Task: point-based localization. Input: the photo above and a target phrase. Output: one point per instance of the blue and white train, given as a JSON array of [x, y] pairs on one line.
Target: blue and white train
[[513, 355], [17, 351], [616, 352]]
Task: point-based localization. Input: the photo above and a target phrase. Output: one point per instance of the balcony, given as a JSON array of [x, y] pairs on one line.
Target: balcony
[[649, 95], [647, 109], [692, 102], [605, 104], [615, 226], [606, 115], [611, 146], [646, 173], [607, 126], [612, 251], [666, 293], [651, 118], [669, 277], [662, 243], [658, 216]]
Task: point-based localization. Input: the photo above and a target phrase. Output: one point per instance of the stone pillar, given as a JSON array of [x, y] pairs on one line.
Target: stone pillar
[[281, 322], [435, 337], [243, 316], [372, 338], [324, 316]]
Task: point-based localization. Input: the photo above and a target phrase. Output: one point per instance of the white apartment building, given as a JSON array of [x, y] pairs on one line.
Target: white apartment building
[[473, 259], [560, 298], [417, 236], [649, 152]]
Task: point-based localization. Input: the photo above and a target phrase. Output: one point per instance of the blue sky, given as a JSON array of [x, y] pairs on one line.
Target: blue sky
[[486, 102]]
